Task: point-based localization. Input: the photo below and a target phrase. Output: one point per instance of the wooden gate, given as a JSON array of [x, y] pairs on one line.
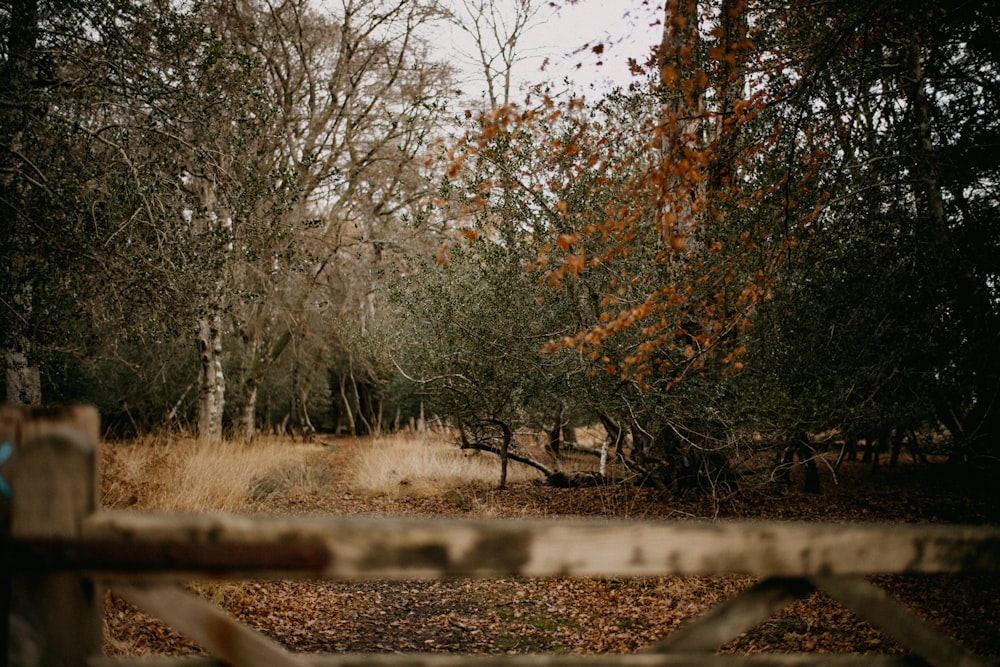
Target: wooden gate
[[62, 551]]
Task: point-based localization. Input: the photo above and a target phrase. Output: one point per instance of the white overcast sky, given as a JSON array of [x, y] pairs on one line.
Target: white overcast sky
[[565, 35]]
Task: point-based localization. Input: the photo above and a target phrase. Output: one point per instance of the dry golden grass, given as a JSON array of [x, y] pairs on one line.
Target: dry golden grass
[[425, 466], [175, 474]]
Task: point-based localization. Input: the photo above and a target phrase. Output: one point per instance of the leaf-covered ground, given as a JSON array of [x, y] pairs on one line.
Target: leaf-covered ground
[[596, 615]]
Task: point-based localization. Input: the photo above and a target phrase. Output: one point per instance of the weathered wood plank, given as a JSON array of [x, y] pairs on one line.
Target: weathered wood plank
[[885, 613], [53, 488], [233, 643], [723, 622], [541, 660], [355, 547]]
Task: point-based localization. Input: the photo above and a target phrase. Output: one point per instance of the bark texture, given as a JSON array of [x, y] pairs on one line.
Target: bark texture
[[211, 381]]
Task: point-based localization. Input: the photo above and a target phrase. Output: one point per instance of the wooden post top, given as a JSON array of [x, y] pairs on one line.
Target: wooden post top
[[52, 472]]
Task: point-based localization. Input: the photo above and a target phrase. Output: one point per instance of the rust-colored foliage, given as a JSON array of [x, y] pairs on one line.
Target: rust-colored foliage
[[682, 191]]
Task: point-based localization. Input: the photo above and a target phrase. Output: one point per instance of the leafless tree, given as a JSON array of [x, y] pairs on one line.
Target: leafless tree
[[497, 30], [356, 90]]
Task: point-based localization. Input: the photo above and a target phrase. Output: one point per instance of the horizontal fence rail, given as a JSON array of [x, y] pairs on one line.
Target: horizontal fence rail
[[62, 551], [124, 545]]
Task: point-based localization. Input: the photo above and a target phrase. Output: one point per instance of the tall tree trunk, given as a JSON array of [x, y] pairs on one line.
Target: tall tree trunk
[[504, 451], [305, 423], [342, 382], [359, 408], [681, 79], [352, 427], [299, 413], [730, 89], [258, 366], [22, 378], [211, 381], [247, 421], [248, 410], [682, 86]]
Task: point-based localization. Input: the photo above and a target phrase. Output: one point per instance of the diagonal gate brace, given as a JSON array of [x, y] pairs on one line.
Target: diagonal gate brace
[[725, 621], [222, 635], [875, 606]]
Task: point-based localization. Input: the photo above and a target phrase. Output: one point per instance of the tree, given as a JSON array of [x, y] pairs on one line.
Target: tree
[[662, 271], [202, 102], [496, 36], [887, 317], [531, 271], [22, 381], [791, 193], [90, 198], [356, 92], [476, 326], [204, 164]]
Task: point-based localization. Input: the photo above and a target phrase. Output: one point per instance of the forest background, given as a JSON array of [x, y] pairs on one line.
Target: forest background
[[223, 218]]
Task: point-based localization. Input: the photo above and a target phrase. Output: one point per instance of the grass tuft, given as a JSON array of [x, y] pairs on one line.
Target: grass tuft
[[407, 465], [172, 474]]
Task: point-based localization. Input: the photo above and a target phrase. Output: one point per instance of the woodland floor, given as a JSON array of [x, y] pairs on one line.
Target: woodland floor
[[598, 615]]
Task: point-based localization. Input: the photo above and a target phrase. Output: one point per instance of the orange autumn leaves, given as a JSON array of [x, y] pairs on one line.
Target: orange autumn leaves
[[633, 201], [635, 232]]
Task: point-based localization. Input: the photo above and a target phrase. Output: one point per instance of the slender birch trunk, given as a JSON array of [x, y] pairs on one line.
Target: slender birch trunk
[[247, 421], [211, 381]]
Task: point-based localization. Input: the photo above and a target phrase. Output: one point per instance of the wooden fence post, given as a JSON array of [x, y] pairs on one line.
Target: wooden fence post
[[55, 618]]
